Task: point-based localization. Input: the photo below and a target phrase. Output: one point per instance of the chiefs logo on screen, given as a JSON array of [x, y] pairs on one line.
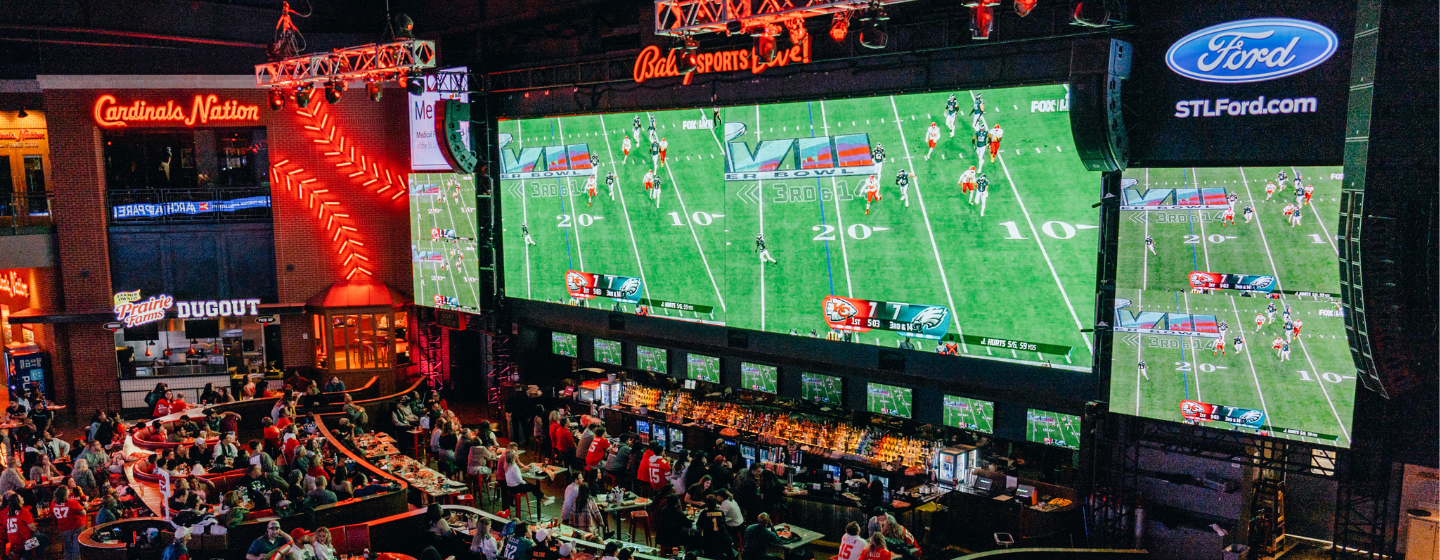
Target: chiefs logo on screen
[[577, 283], [1190, 409], [446, 301], [1202, 279], [839, 310]]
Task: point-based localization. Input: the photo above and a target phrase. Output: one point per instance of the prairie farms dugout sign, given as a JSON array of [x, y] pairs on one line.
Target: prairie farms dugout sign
[[651, 65], [203, 109]]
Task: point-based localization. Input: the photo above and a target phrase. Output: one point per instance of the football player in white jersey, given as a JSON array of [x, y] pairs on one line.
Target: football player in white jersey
[[872, 192], [932, 135]]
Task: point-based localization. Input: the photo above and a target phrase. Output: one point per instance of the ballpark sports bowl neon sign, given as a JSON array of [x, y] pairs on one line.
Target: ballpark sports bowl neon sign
[[204, 109], [651, 65]]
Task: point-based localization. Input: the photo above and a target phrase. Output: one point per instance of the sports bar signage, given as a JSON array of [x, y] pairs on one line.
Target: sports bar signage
[[133, 312], [204, 109], [651, 65]]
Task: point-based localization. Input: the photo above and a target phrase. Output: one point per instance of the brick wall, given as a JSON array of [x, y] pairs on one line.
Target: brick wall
[[307, 261]]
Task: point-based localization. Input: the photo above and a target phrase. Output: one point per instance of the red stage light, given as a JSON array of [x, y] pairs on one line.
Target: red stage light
[[982, 22], [1023, 7], [840, 26]]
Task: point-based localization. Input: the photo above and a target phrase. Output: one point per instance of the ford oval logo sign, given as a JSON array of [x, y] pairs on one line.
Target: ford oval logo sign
[[1252, 50]]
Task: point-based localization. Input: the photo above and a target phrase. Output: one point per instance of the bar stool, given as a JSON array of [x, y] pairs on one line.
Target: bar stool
[[641, 518]]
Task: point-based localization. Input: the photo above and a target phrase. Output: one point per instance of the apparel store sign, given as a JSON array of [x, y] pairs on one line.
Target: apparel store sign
[[133, 312], [651, 65], [145, 210], [204, 109]]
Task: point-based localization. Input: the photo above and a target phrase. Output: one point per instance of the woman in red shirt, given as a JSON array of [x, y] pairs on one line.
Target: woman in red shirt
[[876, 550], [70, 519], [20, 528], [162, 406]]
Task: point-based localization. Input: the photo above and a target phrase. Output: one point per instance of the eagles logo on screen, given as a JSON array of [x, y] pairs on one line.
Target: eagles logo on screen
[[1252, 417], [1263, 283], [631, 287], [930, 317]]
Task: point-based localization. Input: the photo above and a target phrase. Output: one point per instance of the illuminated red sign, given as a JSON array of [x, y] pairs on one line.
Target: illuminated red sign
[[13, 285], [651, 65], [204, 109]]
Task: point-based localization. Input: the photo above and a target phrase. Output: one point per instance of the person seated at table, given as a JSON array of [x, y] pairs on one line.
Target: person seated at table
[[322, 547], [94, 453], [301, 543], [401, 416], [898, 539], [618, 457], [116, 465], [320, 493], [83, 477], [265, 544], [158, 433], [482, 542], [876, 549], [55, 447], [209, 395], [179, 404], [355, 412], [759, 537], [568, 510], [516, 484], [518, 544], [671, 524], [109, 510], [162, 406], [182, 499], [712, 532], [255, 485], [44, 470], [478, 458], [365, 488], [695, 495], [257, 455]]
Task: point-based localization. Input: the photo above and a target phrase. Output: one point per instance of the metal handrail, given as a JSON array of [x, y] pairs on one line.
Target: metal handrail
[[23, 209]]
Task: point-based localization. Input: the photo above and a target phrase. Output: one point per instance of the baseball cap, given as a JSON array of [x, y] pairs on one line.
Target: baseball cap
[[300, 533]]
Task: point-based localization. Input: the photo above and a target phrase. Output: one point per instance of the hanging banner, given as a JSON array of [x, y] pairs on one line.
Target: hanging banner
[[425, 145]]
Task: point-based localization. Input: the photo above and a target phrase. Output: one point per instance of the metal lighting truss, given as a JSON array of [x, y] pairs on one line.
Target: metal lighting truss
[[383, 61], [679, 18]]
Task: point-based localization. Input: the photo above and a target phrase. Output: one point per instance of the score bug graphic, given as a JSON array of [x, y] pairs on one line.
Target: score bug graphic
[[905, 319], [585, 285]]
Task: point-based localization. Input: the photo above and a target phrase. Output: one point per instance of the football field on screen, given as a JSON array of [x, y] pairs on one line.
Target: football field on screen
[[1018, 266], [1312, 393]]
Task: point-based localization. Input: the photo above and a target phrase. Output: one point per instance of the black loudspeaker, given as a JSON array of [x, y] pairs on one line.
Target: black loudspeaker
[[737, 338], [1097, 68], [449, 115]]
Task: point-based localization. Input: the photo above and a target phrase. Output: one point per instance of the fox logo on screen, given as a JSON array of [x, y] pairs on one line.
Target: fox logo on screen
[[796, 158], [544, 162]]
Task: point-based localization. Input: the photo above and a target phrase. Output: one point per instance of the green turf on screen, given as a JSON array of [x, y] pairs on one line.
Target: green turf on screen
[[565, 344], [1052, 428], [608, 351], [1308, 398], [758, 377], [888, 399], [1022, 271], [822, 389], [445, 267], [652, 359], [970, 414], [703, 368]]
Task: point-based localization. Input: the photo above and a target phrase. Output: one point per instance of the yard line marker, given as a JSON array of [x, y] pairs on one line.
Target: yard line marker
[[524, 214], [1320, 380], [1145, 253], [840, 221], [610, 153], [1036, 234], [761, 204], [1194, 356], [574, 224], [925, 214], [1248, 355], [696, 237], [1204, 243], [1328, 237]]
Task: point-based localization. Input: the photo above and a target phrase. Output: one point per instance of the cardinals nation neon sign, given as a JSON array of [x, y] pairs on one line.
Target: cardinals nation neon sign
[[204, 109]]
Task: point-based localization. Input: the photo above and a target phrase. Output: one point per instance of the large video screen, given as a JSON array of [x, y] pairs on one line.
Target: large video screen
[[759, 377], [565, 344], [1227, 309], [888, 399], [822, 389], [652, 359], [830, 218], [969, 414], [444, 268], [702, 368], [608, 351], [1052, 428]]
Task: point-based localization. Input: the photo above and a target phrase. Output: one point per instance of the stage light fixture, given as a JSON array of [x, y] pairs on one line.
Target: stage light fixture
[[22, 114], [840, 26], [982, 21], [373, 88], [277, 98], [765, 48], [414, 84], [302, 95], [332, 93], [796, 29], [872, 27], [1023, 7], [687, 56]]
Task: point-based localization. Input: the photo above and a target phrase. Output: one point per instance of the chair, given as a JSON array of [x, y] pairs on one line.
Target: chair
[[337, 539], [520, 502], [357, 537], [1004, 540]]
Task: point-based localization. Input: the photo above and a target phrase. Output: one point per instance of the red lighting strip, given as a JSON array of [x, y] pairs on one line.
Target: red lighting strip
[[366, 173], [334, 222]]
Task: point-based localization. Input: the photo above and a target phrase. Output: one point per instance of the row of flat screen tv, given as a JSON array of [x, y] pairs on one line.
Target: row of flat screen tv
[[1045, 427]]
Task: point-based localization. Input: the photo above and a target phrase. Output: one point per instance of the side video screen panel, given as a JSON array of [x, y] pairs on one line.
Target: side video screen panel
[[1227, 310], [444, 268], [856, 220]]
